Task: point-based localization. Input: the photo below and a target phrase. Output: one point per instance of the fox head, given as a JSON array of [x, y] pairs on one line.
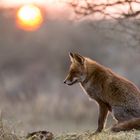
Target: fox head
[[76, 72]]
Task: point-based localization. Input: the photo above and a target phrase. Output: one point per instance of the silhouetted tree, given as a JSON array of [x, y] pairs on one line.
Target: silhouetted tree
[[124, 13]]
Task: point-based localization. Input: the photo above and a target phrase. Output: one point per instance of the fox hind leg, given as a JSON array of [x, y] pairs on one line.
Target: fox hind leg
[[127, 125], [117, 128]]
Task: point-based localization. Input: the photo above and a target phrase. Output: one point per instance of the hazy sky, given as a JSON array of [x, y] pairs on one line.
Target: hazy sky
[[18, 2]]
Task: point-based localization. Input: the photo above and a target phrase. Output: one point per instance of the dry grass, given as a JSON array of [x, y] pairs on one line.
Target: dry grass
[[5, 134], [133, 135]]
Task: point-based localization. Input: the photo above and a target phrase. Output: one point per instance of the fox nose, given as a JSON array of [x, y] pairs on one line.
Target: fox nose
[[64, 81]]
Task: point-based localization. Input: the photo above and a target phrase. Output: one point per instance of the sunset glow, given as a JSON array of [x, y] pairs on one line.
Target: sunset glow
[[12, 3], [29, 17], [20, 2]]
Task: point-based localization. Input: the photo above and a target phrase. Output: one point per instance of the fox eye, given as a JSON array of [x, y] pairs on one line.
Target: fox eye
[[73, 72]]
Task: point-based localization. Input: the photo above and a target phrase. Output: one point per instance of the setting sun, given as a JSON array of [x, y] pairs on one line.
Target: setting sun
[[29, 17]]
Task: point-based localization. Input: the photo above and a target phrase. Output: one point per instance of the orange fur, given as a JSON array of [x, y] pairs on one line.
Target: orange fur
[[112, 92]]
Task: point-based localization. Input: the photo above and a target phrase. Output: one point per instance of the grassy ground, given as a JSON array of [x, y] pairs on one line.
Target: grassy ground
[[6, 134], [132, 135]]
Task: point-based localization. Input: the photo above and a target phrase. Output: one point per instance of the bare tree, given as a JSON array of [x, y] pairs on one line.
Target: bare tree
[[124, 13], [107, 8]]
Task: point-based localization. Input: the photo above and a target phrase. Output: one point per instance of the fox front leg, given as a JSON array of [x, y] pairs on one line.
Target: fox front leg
[[103, 111]]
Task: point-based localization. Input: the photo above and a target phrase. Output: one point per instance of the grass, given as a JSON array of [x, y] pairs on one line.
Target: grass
[[105, 135], [132, 135]]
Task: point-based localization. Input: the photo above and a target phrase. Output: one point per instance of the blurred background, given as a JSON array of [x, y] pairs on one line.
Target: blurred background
[[34, 62]]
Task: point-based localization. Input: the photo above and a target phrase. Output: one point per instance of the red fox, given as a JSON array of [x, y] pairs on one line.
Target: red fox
[[112, 92]]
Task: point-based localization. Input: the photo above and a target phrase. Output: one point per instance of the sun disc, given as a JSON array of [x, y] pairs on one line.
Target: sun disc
[[29, 17]]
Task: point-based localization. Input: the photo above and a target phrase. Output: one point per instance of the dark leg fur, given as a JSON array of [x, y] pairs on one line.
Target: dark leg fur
[[103, 111], [127, 125]]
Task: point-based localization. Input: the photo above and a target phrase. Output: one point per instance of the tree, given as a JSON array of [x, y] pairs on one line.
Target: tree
[[116, 9], [124, 13]]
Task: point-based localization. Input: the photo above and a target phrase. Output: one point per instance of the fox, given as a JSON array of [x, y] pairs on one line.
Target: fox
[[113, 93]]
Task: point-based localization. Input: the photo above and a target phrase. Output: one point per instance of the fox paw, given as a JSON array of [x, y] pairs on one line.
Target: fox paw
[[115, 129], [96, 132]]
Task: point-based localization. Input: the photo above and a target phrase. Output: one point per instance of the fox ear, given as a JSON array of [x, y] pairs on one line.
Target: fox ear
[[80, 59], [71, 55]]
